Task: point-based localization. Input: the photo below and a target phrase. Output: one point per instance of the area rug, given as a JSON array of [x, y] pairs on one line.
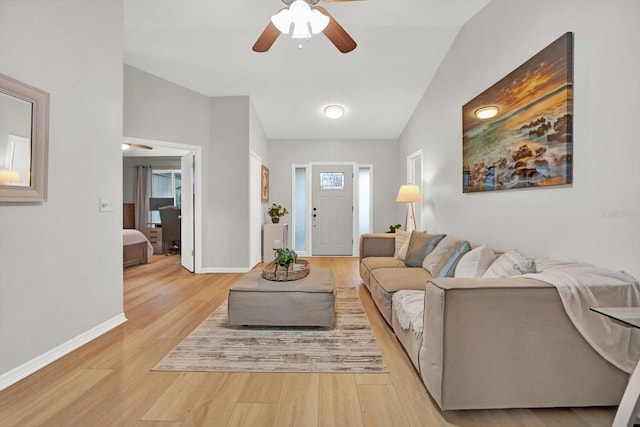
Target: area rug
[[349, 347]]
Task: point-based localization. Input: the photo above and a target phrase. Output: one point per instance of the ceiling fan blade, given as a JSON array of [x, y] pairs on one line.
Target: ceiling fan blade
[[146, 147], [336, 34], [267, 38]]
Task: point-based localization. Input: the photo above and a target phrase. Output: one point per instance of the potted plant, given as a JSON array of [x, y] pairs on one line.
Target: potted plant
[[393, 228], [285, 257], [276, 211]]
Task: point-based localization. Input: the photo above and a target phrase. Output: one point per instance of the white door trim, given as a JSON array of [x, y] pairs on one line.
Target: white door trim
[[197, 208]]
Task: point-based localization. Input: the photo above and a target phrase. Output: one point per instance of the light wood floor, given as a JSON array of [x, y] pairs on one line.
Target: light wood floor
[[108, 382]]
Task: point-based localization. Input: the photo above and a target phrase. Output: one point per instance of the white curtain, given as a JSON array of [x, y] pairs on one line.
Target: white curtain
[[141, 194]]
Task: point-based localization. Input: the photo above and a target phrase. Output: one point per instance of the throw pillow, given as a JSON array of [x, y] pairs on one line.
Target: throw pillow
[[475, 262], [420, 245], [401, 238], [446, 267], [511, 263], [440, 250], [402, 254]]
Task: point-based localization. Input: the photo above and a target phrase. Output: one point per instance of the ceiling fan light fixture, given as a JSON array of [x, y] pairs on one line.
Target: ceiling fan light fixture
[[282, 21], [300, 11], [334, 111], [300, 31], [318, 21], [126, 146], [301, 16]]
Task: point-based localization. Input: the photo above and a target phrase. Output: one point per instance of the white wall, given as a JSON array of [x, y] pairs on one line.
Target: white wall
[[61, 261], [258, 142], [257, 139], [381, 153], [228, 176], [597, 219]]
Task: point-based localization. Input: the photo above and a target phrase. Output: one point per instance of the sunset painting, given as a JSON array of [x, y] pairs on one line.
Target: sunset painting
[[529, 142]]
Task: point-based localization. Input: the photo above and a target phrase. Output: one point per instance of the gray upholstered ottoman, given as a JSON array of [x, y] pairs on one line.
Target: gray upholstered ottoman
[[306, 302]]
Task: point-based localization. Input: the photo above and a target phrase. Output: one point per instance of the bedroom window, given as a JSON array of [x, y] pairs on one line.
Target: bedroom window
[[165, 183]]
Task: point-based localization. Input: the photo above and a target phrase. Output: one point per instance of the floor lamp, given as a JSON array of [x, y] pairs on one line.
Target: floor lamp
[[409, 194]]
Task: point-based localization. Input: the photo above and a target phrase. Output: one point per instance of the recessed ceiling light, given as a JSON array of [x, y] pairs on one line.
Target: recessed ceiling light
[[486, 112], [333, 111]]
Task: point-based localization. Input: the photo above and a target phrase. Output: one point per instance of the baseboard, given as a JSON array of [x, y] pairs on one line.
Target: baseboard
[[26, 369], [226, 270]]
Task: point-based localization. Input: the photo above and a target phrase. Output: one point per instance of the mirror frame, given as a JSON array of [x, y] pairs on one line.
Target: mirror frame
[[37, 190]]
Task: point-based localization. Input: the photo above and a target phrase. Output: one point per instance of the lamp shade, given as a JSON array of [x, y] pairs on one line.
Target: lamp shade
[[408, 193], [9, 177]]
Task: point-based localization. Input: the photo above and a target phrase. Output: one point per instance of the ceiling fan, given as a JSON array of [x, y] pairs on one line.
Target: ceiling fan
[[306, 19], [127, 145]]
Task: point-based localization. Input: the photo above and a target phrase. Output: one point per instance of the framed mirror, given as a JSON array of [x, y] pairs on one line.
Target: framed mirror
[[24, 141]]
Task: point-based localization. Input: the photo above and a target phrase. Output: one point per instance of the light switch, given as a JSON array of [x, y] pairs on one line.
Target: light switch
[[106, 205]]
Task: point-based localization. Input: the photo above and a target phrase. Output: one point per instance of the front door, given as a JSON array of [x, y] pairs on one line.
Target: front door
[[332, 210]]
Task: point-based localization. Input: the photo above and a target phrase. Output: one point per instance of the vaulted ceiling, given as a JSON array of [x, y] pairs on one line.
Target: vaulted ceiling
[[205, 45]]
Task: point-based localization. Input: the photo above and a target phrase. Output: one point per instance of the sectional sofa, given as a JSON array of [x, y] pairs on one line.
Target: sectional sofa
[[480, 343]]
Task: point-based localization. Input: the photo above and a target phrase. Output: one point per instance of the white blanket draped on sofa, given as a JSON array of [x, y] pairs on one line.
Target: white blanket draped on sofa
[[582, 286]]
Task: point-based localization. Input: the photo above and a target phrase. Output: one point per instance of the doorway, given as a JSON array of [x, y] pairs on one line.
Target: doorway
[[332, 210], [191, 223]]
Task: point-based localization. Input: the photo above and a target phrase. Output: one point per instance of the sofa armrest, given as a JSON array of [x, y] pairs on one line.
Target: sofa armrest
[[508, 343], [377, 244]]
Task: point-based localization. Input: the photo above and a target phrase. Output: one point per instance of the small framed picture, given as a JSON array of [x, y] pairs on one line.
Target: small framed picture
[[265, 184]]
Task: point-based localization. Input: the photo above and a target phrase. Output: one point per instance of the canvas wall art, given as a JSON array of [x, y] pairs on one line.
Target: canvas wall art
[[264, 184], [528, 142]]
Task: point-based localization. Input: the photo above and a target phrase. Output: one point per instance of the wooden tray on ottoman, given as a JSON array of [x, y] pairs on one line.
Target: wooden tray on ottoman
[[277, 273]]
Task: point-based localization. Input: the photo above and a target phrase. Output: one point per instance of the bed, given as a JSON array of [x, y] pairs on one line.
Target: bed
[[136, 248]]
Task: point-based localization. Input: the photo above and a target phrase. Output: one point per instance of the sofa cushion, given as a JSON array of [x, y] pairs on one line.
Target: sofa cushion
[[420, 245], [367, 265], [446, 267], [402, 240], [441, 249], [375, 262], [475, 262], [385, 282], [511, 263]]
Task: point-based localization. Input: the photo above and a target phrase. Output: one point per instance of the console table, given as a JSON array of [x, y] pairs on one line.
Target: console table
[[271, 233]]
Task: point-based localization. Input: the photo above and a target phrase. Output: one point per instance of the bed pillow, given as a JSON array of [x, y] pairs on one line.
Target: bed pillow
[[402, 240], [433, 258], [511, 263], [446, 267], [475, 262], [420, 245]]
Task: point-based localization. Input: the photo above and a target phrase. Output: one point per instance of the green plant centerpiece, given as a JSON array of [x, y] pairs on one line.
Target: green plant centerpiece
[[285, 257], [276, 211], [286, 267]]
